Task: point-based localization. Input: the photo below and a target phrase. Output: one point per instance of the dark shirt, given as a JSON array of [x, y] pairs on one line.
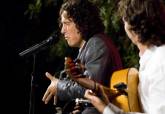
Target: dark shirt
[[101, 58]]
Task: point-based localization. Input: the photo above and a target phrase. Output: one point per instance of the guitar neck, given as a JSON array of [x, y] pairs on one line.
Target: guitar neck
[[96, 87], [86, 82]]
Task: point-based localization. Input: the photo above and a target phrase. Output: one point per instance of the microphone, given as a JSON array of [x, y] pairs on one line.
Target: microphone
[[40, 46]]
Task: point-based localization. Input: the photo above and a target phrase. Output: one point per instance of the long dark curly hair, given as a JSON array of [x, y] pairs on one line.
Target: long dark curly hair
[[147, 19], [86, 16]]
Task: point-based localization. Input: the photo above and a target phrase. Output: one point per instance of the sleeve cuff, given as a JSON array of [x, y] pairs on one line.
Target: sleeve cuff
[[107, 110]]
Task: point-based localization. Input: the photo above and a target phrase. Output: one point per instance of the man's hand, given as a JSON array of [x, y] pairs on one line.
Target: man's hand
[[51, 90], [96, 101], [74, 68]]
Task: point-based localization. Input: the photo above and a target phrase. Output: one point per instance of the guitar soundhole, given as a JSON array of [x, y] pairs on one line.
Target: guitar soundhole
[[121, 87]]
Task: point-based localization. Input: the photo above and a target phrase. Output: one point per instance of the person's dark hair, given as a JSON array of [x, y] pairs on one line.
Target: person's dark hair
[[147, 19], [85, 15]]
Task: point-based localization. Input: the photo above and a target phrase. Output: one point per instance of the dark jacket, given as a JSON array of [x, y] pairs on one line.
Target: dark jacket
[[101, 59]]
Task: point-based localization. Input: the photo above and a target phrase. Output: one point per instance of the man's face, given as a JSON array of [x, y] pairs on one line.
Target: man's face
[[70, 32]]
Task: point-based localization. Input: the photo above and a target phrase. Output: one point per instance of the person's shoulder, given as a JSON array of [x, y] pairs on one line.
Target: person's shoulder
[[96, 42], [160, 53], [95, 39], [161, 50], [101, 37]]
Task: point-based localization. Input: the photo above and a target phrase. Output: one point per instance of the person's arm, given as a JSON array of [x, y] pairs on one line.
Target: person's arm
[[62, 89], [103, 107], [102, 104], [68, 89], [96, 101]]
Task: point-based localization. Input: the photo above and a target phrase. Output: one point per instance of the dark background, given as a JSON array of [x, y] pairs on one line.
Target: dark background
[[17, 34]]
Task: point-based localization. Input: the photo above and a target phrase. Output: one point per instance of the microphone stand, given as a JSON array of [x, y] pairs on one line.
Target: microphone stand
[[32, 87], [33, 51]]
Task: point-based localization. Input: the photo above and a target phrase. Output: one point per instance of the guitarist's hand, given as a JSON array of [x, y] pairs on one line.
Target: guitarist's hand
[[75, 71], [73, 68], [95, 100], [51, 90]]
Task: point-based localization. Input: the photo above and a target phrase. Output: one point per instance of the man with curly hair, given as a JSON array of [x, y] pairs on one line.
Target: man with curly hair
[[145, 26], [82, 27]]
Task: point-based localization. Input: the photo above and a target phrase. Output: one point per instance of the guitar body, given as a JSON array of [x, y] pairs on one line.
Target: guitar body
[[129, 102]]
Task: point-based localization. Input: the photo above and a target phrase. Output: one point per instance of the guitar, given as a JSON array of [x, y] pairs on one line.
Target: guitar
[[123, 85], [128, 102]]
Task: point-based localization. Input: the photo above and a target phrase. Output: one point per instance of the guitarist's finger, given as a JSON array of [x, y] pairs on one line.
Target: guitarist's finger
[[49, 76], [73, 73], [47, 99], [68, 65], [89, 94], [72, 70], [80, 66], [68, 60], [45, 95], [77, 111], [78, 76]]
